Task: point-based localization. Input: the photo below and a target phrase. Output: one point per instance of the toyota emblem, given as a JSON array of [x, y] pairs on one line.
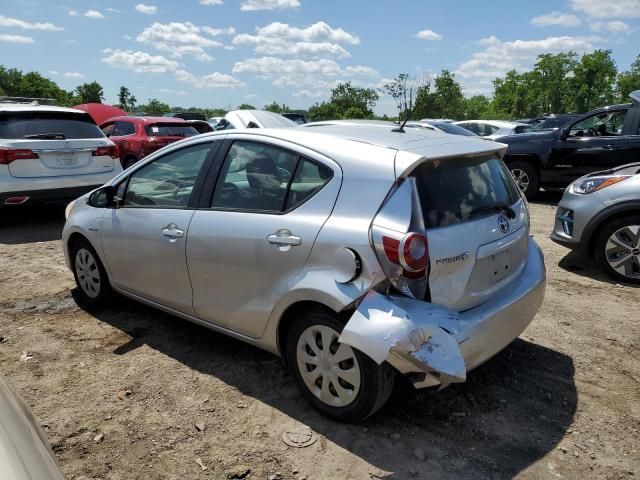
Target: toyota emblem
[[503, 223]]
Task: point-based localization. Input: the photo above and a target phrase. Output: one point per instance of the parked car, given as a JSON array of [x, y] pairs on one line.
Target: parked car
[[355, 252], [186, 115], [434, 126], [201, 126], [299, 118], [493, 129], [253, 119], [443, 126], [213, 121], [24, 450], [51, 154], [599, 215], [137, 137], [552, 121], [604, 138]]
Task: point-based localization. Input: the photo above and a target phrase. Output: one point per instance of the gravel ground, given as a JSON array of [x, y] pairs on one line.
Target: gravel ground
[[127, 392]]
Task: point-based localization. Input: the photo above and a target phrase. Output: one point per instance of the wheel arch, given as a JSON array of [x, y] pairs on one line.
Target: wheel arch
[[531, 158], [606, 216]]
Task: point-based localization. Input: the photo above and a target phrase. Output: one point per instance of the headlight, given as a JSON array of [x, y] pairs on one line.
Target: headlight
[[593, 184], [67, 210]]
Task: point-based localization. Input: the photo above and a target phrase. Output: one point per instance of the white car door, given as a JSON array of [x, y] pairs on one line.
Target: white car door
[[247, 247], [144, 239]]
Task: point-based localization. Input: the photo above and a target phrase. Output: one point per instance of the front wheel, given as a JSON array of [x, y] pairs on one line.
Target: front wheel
[[526, 177], [617, 249], [340, 381], [89, 273]]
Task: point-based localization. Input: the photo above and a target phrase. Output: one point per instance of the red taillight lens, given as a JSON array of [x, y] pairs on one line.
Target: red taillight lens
[[108, 151], [8, 155], [412, 252]]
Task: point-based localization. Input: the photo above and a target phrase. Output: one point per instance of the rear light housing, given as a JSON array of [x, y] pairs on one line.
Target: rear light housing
[[9, 155], [411, 252], [150, 145], [108, 151]]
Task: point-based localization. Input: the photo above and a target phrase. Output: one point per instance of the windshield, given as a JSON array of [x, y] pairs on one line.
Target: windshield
[[48, 125], [552, 122], [453, 129], [452, 191], [168, 130]]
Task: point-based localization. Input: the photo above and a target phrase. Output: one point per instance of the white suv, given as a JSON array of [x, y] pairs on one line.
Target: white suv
[[51, 154]]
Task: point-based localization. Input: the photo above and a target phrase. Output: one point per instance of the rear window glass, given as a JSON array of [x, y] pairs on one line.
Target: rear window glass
[[454, 129], [168, 130], [458, 190], [48, 125], [522, 128]]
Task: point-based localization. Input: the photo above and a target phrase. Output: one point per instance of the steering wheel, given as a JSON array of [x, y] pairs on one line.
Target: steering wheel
[[592, 132], [170, 184]]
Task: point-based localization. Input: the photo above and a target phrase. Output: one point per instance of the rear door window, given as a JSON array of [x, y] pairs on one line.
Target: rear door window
[[458, 190], [309, 178], [48, 126], [123, 128], [169, 130]]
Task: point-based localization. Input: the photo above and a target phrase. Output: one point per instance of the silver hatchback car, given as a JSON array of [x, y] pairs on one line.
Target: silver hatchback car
[[599, 215], [353, 251]]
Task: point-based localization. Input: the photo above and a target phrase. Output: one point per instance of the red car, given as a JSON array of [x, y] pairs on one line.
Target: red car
[[137, 137]]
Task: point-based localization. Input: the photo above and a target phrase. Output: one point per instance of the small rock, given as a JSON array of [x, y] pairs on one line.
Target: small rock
[[200, 464], [25, 357], [563, 449], [395, 436], [275, 476], [3, 338], [294, 471], [239, 471], [122, 394], [200, 426], [108, 417], [98, 438], [593, 456], [420, 454]]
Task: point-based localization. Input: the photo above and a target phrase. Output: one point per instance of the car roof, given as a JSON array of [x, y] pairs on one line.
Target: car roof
[[23, 107], [263, 118], [499, 123], [171, 120]]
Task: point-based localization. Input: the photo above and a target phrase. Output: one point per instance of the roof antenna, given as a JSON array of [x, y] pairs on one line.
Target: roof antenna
[[400, 129]]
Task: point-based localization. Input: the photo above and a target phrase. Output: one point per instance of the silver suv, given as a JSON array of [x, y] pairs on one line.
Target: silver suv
[[599, 215], [355, 252]]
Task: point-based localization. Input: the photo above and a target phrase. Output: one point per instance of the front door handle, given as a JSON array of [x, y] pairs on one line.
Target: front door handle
[[172, 232], [284, 237]]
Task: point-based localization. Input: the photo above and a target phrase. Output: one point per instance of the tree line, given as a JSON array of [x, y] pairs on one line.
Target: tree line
[[557, 83]]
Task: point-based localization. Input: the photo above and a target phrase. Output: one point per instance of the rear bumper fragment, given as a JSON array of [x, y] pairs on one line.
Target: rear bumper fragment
[[436, 345]]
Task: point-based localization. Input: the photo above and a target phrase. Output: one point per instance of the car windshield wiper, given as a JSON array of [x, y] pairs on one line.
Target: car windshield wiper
[[493, 207], [47, 136]]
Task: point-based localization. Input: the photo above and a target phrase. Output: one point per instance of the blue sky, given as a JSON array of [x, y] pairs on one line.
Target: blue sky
[[226, 52]]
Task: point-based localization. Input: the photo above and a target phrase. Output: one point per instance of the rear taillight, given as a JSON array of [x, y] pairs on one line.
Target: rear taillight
[[412, 253], [108, 151], [150, 145], [8, 155]]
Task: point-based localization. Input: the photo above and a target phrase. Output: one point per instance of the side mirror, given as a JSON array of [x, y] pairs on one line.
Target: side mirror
[[563, 133], [104, 197]]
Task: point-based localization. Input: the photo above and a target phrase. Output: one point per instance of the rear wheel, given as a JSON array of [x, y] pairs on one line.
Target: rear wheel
[[89, 273], [340, 381], [617, 249], [526, 177]]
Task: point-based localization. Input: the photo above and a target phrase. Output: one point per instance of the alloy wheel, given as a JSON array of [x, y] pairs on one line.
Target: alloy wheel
[[87, 272], [521, 178], [622, 251], [328, 368]]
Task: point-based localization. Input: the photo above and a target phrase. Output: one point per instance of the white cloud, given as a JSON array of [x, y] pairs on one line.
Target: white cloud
[[53, 72], [141, 62], [360, 70], [93, 14], [75, 75], [14, 22], [556, 19], [113, 10], [182, 93], [73, 13], [316, 40], [146, 9], [498, 57], [613, 26], [210, 2], [309, 94], [213, 80], [251, 5], [183, 38], [15, 39], [428, 35], [608, 9]]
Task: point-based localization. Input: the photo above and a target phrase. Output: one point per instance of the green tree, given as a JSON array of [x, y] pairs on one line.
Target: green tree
[[126, 100], [346, 101], [155, 107], [90, 93], [550, 82], [277, 108], [593, 81], [402, 90], [478, 106], [448, 100], [628, 81], [16, 84], [246, 106], [424, 103]]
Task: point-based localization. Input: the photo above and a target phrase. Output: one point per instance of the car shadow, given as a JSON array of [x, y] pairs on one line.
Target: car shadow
[[578, 263], [31, 224], [548, 197], [511, 412]]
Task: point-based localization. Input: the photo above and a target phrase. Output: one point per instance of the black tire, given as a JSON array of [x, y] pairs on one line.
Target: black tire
[[127, 162], [600, 249], [533, 179], [83, 249], [376, 381]]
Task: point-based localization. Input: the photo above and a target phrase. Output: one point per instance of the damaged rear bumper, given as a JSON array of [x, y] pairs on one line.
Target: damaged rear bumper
[[438, 346]]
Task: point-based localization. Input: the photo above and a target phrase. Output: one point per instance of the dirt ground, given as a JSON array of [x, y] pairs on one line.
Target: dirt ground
[[563, 401]]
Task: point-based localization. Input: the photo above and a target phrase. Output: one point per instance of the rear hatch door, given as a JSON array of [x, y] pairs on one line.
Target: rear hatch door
[[63, 143]]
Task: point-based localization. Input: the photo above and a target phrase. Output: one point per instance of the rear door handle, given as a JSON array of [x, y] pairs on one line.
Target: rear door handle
[[172, 232], [284, 237]]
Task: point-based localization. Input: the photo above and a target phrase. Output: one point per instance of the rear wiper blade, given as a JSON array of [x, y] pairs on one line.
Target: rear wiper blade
[[492, 207], [47, 136]]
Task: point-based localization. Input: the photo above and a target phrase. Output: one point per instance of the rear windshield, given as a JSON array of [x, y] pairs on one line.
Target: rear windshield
[[522, 129], [48, 125], [454, 129], [457, 190], [168, 130]]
